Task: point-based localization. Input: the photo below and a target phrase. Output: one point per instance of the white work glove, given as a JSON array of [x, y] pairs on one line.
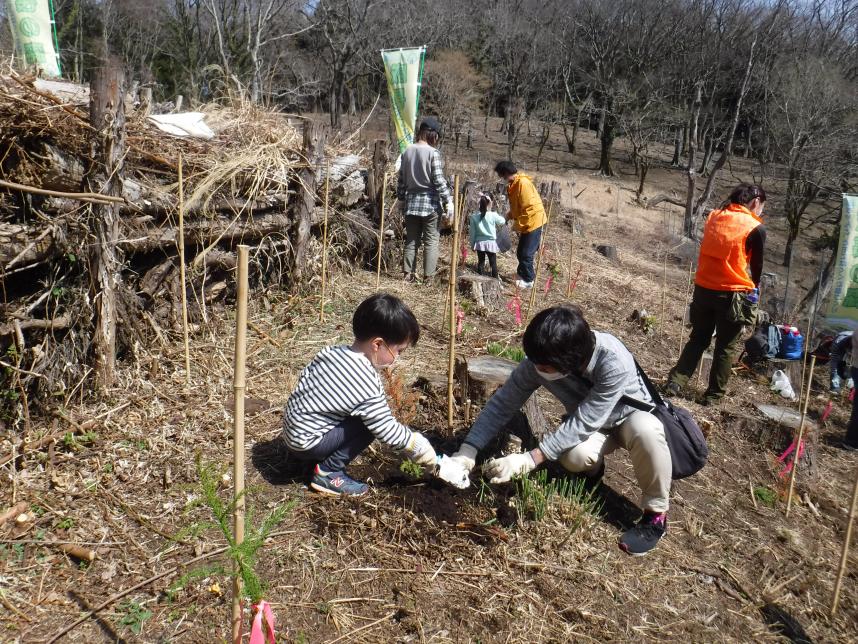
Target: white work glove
[[420, 451], [466, 457], [501, 470], [451, 208]]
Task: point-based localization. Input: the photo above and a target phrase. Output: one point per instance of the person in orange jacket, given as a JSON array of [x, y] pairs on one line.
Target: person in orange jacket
[[726, 288], [528, 216]]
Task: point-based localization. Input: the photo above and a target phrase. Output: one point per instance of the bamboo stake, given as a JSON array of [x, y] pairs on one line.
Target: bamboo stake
[[569, 271], [844, 555], [381, 234], [804, 360], [800, 435], [325, 242], [238, 389], [451, 296], [685, 307], [182, 275], [540, 252], [664, 295]]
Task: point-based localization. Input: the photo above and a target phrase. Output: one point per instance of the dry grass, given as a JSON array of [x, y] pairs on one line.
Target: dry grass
[[415, 561]]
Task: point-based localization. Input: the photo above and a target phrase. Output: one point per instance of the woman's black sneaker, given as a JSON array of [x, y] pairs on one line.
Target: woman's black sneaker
[[645, 535]]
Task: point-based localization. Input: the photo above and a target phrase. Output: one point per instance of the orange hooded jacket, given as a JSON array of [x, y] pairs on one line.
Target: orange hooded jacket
[[723, 261], [525, 204]]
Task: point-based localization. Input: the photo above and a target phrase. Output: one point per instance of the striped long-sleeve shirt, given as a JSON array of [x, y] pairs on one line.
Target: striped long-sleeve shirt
[[339, 383]]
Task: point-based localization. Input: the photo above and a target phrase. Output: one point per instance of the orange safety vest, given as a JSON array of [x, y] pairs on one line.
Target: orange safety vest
[[723, 261]]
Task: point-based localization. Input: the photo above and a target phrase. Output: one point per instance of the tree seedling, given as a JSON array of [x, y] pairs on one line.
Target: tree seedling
[[412, 469]]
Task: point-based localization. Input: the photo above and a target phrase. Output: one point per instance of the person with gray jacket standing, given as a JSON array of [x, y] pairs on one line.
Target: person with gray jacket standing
[[589, 372], [424, 196]]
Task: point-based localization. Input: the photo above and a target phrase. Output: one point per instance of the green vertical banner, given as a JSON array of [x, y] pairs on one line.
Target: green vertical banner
[[843, 306], [33, 31], [404, 71]]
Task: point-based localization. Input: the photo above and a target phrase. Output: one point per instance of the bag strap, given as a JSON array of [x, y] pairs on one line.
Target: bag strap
[[653, 392]]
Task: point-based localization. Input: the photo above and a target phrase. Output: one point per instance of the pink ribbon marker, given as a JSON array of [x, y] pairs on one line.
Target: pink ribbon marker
[[852, 394], [827, 412], [575, 280], [548, 283], [464, 251], [257, 635], [460, 320], [514, 306], [788, 468]]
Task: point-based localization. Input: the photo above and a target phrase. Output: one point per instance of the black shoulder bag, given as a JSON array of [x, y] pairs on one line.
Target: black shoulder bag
[[686, 442]]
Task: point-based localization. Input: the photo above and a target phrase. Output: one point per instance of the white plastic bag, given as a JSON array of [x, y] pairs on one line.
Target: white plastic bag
[[782, 385]]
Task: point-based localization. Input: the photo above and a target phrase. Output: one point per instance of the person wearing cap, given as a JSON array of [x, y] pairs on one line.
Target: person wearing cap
[[726, 285], [424, 196]]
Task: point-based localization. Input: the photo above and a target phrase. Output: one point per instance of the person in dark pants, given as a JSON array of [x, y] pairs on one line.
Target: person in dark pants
[[339, 405], [528, 216], [733, 244], [850, 441]]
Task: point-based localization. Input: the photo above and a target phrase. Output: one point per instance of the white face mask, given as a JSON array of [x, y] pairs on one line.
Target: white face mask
[[557, 375]]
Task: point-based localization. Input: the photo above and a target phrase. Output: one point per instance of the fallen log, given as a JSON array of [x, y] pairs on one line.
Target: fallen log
[[19, 508], [54, 324], [652, 203]]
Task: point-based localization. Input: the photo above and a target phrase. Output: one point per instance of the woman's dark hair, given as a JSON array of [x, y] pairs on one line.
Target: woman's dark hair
[[505, 168], [561, 338], [428, 135], [386, 316], [745, 193]]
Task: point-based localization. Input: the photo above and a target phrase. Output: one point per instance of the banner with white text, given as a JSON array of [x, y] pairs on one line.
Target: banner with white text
[[843, 306], [404, 71], [33, 31]]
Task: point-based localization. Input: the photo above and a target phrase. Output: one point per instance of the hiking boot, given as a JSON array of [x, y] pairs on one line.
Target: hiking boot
[[409, 277], [671, 389], [645, 535], [709, 400], [336, 484]]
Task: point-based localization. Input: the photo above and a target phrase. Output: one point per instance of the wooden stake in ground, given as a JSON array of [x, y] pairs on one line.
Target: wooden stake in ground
[[844, 555], [569, 270], [451, 296], [182, 275], [685, 307], [381, 233], [663, 319], [797, 450], [325, 242], [540, 252], [238, 387], [804, 361]]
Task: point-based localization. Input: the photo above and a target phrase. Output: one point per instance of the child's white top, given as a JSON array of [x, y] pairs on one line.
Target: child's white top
[[336, 384]]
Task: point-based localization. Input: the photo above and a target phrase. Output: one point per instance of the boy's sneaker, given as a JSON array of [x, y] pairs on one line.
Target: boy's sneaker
[[645, 535], [524, 285], [337, 483]]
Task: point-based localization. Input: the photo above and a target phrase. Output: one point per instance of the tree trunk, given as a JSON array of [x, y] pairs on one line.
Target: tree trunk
[[546, 132], [105, 174], [606, 140], [644, 170], [677, 148], [749, 150], [570, 140], [703, 202], [314, 150], [688, 223]]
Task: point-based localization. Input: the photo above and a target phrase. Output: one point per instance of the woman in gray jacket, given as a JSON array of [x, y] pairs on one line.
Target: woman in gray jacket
[[589, 372], [424, 195]]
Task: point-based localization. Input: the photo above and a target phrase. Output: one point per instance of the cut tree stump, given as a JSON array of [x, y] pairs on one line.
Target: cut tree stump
[[486, 292], [608, 251], [485, 374]]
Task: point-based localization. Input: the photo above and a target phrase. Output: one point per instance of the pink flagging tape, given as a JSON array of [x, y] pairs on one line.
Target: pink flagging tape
[[514, 306], [788, 468], [257, 635], [460, 320], [575, 280], [827, 412], [548, 283], [852, 394], [464, 251]]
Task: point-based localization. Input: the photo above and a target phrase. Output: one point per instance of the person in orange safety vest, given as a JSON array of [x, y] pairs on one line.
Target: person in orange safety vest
[[726, 289]]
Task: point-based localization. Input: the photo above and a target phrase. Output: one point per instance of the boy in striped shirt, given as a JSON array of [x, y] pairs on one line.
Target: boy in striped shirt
[[339, 405]]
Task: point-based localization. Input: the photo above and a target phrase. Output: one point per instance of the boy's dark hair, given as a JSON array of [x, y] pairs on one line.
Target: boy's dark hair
[[505, 168], [745, 193], [561, 338], [387, 317]]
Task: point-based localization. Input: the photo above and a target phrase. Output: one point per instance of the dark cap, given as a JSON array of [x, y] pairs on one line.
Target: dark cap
[[431, 123]]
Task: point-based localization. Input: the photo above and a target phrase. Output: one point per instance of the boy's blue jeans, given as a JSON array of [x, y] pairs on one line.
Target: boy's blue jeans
[[340, 446], [528, 244]]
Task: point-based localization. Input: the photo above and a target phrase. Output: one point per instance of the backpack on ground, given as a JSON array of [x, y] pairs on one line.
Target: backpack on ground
[[764, 343], [688, 449]]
